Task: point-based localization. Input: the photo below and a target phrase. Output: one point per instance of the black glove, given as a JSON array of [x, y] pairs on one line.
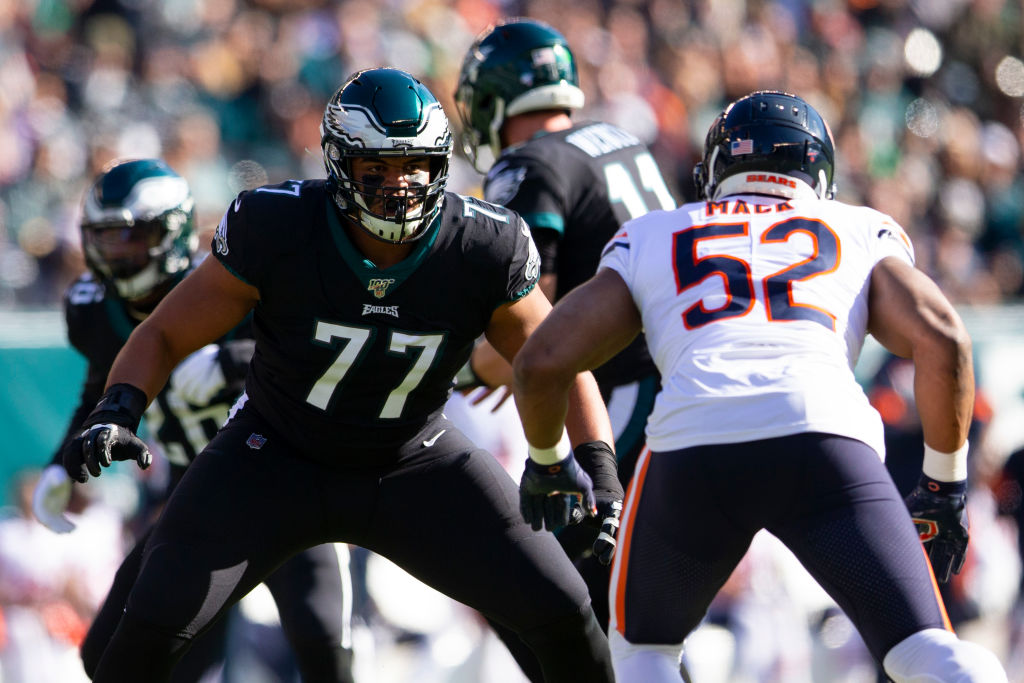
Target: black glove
[[597, 459], [939, 511], [546, 492], [109, 434]]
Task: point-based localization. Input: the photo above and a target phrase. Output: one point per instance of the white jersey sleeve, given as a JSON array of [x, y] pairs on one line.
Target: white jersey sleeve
[[755, 311]]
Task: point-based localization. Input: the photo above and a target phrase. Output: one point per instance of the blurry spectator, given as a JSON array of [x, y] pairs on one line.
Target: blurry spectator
[[51, 587], [211, 85]]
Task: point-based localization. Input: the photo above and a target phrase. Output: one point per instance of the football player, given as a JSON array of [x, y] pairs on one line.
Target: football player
[[139, 241], [368, 290], [755, 303], [575, 184]]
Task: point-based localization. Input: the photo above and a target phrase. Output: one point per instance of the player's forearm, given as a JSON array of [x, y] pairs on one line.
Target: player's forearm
[[587, 417], [145, 361], [944, 387], [542, 390]]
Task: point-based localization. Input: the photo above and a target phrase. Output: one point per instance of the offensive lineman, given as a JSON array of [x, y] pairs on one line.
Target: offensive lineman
[[368, 291], [755, 303]]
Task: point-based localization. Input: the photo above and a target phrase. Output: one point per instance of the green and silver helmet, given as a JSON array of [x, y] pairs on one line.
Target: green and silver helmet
[[517, 66], [386, 113], [138, 226]]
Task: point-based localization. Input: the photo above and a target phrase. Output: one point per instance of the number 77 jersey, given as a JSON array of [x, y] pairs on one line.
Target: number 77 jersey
[[755, 310]]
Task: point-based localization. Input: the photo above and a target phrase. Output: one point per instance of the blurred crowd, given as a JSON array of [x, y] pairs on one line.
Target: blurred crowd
[[924, 98]]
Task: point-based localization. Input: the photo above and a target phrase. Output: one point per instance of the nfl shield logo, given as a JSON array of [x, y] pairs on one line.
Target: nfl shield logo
[[379, 286], [256, 441]]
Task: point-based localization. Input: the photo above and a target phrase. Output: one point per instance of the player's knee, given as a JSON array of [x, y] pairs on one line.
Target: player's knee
[[135, 647], [198, 598], [643, 661], [937, 656]]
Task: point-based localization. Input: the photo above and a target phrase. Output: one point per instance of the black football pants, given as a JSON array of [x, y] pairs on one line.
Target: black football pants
[[448, 514]]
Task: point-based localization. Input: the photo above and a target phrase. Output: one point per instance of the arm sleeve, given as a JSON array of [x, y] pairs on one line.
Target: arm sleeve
[[890, 239], [547, 246], [232, 242], [524, 270], [617, 255], [532, 190]]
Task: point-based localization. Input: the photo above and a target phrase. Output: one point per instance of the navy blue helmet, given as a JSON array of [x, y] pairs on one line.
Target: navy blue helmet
[[768, 142]]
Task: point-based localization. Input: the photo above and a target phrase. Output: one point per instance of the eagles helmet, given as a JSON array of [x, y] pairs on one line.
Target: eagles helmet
[[517, 66], [768, 142], [138, 226], [385, 112]]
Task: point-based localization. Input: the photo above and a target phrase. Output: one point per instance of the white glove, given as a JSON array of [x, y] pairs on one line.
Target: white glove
[[198, 378], [51, 497]]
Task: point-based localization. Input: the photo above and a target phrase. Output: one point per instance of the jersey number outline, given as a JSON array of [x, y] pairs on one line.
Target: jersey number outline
[[355, 341], [738, 280], [624, 189], [471, 208], [288, 187]]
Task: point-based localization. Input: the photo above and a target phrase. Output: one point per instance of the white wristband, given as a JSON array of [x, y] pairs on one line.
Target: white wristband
[[549, 456], [946, 467]]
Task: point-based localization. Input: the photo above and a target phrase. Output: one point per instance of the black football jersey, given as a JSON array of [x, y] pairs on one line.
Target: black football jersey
[[582, 183], [350, 357], [98, 325]]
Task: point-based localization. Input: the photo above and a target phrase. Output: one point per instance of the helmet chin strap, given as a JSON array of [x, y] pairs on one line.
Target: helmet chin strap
[[139, 285], [389, 231], [825, 191], [494, 132], [709, 169]]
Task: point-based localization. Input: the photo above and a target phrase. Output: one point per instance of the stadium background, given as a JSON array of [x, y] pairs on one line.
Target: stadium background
[[924, 97]]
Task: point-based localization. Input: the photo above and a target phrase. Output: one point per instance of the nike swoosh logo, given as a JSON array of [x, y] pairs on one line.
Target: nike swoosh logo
[[238, 203], [430, 442]]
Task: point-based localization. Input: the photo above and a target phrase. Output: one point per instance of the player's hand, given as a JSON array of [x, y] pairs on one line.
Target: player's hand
[[939, 510], [100, 445], [109, 434], [597, 460], [606, 541], [51, 497], [546, 493]]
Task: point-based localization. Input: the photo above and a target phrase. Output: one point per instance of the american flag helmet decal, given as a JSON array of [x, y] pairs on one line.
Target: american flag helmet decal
[[739, 147]]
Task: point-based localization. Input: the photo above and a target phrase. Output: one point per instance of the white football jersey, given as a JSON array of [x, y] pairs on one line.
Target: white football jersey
[[755, 310]]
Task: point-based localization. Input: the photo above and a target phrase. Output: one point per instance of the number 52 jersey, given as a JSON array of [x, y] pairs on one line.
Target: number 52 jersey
[[755, 311]]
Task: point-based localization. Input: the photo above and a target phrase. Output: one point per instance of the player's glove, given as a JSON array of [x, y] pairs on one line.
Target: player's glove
[[51, 497], [597, 460], [546, 492], [109, 434], [939, 510]]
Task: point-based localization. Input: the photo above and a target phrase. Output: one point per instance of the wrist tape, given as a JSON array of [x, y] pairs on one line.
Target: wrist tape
[[945, 467], [549, 456]]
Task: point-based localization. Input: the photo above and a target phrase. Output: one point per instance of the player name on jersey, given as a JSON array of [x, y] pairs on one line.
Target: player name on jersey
[[600, 139]]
